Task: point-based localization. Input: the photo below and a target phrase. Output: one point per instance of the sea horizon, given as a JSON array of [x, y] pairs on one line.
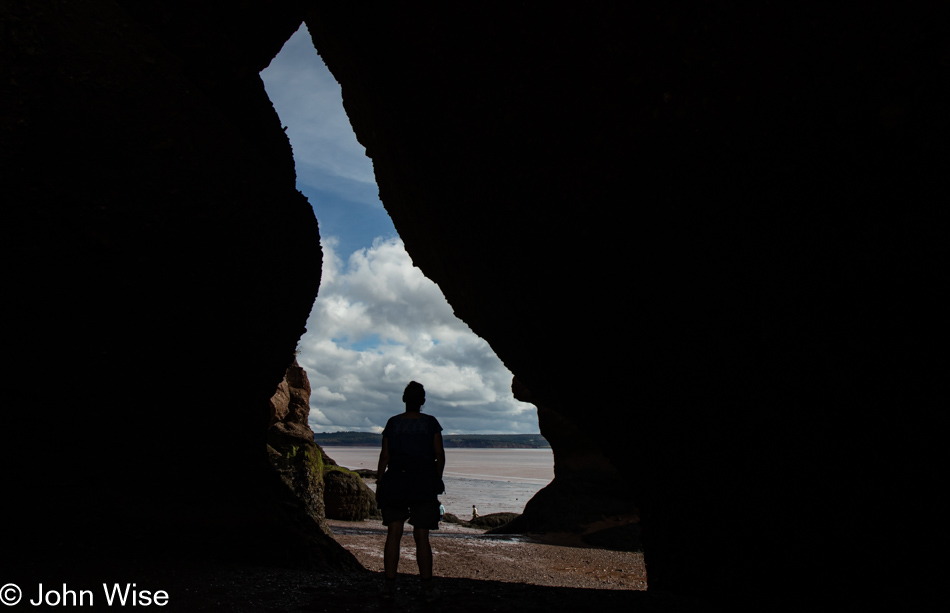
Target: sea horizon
[[496, 480]]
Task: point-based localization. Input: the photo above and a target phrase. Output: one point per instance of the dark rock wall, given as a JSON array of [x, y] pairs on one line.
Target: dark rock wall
[[704, 233], [162, 263]]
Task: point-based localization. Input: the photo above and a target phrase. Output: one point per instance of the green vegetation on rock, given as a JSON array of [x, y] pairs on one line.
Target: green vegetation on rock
[[298, 455]]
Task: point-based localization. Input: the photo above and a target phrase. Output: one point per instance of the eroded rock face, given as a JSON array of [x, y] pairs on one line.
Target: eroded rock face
[[290, 409]]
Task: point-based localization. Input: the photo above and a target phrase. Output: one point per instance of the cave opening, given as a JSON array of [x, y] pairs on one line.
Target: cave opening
[[377, 321], [743, 174]]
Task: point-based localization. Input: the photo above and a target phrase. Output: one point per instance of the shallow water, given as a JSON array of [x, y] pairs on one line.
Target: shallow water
[[495, 480]]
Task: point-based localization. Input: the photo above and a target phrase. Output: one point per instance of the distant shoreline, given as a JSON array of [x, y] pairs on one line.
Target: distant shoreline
[[471, 441]]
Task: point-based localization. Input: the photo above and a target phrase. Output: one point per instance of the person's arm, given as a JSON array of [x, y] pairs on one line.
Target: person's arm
[[383, 459], [439, 453]]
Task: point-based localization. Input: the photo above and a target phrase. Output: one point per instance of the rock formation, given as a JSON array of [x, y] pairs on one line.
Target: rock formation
[[703, 234], [293, 453], [326, 490], [289, 409], [492, 521], [348, 497], [588, 495]]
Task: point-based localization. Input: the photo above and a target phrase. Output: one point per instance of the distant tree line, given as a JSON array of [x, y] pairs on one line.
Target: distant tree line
[[369, 439], [514, 441]]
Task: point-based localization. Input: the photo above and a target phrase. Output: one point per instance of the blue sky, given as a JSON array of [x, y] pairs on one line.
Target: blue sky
[[378, 322]]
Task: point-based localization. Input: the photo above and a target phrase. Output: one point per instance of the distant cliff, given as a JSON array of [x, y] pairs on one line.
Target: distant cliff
[[369, 439]]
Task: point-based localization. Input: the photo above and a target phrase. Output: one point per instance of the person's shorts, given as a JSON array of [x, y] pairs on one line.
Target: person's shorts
[[420, 514]]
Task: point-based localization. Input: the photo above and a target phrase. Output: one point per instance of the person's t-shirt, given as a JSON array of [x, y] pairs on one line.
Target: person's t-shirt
[[410, 439]]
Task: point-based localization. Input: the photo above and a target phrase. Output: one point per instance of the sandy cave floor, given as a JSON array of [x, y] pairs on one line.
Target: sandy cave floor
[[474, 572], [467, 553]]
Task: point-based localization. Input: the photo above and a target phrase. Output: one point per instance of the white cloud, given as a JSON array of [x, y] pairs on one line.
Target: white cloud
[[324, 395], [379, 323], [309, 99], [317, 419]]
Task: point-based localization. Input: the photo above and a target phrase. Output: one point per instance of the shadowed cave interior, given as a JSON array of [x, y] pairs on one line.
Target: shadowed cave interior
[[732, 210]]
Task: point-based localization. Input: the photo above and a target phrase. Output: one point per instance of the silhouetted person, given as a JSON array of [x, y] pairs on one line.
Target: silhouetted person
[[409, 480]]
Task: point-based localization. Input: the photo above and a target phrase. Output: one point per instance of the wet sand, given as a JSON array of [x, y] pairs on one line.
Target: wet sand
[[466, 553]]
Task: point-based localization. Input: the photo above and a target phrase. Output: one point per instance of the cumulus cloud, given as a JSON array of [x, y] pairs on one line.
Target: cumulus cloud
[[379, 323]]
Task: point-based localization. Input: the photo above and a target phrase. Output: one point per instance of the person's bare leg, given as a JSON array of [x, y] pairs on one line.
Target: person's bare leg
[[423, 552], [391, 551]]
